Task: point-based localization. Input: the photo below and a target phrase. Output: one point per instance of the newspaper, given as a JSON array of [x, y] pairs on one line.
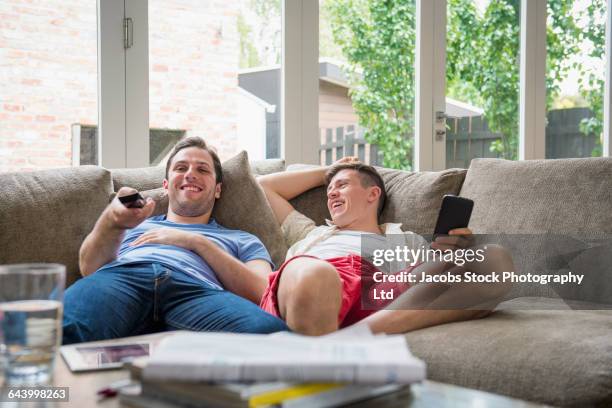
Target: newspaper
[[345, 357]]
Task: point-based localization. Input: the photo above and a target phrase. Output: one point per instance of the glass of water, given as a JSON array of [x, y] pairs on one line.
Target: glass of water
[[30, 321]]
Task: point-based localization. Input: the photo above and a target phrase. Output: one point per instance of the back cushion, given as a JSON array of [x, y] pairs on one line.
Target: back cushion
[[414, 198], [149, 178], [545, 198], [145, 178], [537, 196], [45, 215]]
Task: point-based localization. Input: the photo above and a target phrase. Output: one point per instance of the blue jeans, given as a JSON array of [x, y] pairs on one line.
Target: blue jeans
[[145, 298]]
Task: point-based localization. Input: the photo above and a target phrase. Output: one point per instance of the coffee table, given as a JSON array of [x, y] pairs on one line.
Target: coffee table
[[83, 387]]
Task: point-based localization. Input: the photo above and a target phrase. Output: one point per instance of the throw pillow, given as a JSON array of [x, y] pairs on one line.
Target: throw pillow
[[414, 198]]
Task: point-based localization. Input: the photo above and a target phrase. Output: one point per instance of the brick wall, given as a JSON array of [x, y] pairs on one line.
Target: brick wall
[[48, 74], [193, 75]]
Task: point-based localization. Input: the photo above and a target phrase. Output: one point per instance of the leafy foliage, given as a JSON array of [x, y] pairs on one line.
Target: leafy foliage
[[380, 52], [377, 38]]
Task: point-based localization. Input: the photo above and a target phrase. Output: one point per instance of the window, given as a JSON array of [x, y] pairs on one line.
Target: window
[[482, 80], [214, 71], [575, 78], [85, 144], [366, 84]]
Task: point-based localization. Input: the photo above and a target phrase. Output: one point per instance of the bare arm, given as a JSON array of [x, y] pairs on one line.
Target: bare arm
[[102, 244], [248, 280], [286, 185], [282, 187]]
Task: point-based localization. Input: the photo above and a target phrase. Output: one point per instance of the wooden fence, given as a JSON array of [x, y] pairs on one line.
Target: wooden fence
[[347, 141], [563, 135], [468, 138]]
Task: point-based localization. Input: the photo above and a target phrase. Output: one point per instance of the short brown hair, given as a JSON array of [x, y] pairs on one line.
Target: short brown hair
[[196, 141], [368, 175]]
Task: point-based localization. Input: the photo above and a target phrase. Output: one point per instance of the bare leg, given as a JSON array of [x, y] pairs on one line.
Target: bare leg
[[310, 296], [429, 304]]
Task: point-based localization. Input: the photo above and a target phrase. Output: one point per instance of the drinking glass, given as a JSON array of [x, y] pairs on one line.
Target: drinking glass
[[30, 321]]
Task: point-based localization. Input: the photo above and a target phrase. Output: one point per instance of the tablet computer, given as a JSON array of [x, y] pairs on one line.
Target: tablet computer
[[102, 357]]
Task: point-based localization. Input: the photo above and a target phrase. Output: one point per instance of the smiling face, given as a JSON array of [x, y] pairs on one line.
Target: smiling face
[[350, 203], [191, 183]]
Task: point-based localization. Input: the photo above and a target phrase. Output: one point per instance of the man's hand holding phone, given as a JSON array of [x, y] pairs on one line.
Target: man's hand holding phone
[[120, 215], [452, 230], [457, 238]]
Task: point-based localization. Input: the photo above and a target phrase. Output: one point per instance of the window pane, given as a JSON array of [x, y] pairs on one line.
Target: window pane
[[214, 71], [366, 83], [575, 78], [482, 80], [48, 81]]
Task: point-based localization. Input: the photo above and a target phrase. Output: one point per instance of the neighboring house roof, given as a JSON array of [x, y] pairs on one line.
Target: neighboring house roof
[[458, 109], [268, 107], [264, 83]]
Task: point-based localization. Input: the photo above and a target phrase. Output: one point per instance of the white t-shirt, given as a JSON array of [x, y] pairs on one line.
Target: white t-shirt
[[327, 241], [341, 243]]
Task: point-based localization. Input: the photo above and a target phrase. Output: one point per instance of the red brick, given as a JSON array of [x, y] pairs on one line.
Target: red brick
[[32, 82], [45, 118], [160, 68], [13, 108], [190, 81]]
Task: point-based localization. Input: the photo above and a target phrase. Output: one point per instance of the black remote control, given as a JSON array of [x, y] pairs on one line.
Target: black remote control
[[133, 200]]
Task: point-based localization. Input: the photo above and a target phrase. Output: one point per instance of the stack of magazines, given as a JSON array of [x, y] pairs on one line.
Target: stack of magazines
[[280, 370]]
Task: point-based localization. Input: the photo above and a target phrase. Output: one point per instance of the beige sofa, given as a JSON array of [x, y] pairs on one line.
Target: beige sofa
[[534, 348]]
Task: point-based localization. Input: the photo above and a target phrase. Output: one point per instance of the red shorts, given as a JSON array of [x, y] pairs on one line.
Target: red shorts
[[356, 277]]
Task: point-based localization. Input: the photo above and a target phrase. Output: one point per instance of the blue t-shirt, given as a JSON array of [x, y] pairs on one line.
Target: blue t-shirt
[[242, 245]]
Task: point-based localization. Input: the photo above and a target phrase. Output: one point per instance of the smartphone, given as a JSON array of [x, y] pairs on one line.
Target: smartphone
[[133, 201], [455, 212]]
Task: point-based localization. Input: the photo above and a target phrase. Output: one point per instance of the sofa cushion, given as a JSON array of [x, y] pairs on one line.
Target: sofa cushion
[[544, 197], [45, 215], [145, 178], [243, 205], [538, 196], [149, 178], [414, 198], [557, 357]]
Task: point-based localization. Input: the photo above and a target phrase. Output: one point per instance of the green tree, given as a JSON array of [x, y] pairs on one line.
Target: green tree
[[378, 46], [593, 89], [259, 33], [377, 38], [249, 56]]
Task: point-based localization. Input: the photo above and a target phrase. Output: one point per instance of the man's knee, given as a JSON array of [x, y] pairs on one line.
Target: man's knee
[[497, 255], [99, 308], [315, 283], [311, 297], [82, 311]]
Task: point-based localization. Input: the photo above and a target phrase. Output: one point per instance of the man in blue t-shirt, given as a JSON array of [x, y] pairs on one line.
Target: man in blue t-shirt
[[181, 270]]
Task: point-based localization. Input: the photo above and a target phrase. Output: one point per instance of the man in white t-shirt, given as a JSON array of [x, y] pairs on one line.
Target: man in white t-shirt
[[319, 287]]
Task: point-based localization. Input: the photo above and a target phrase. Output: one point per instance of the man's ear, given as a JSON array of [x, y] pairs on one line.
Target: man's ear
[[218, 190], [165, 184], [374, 194]]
